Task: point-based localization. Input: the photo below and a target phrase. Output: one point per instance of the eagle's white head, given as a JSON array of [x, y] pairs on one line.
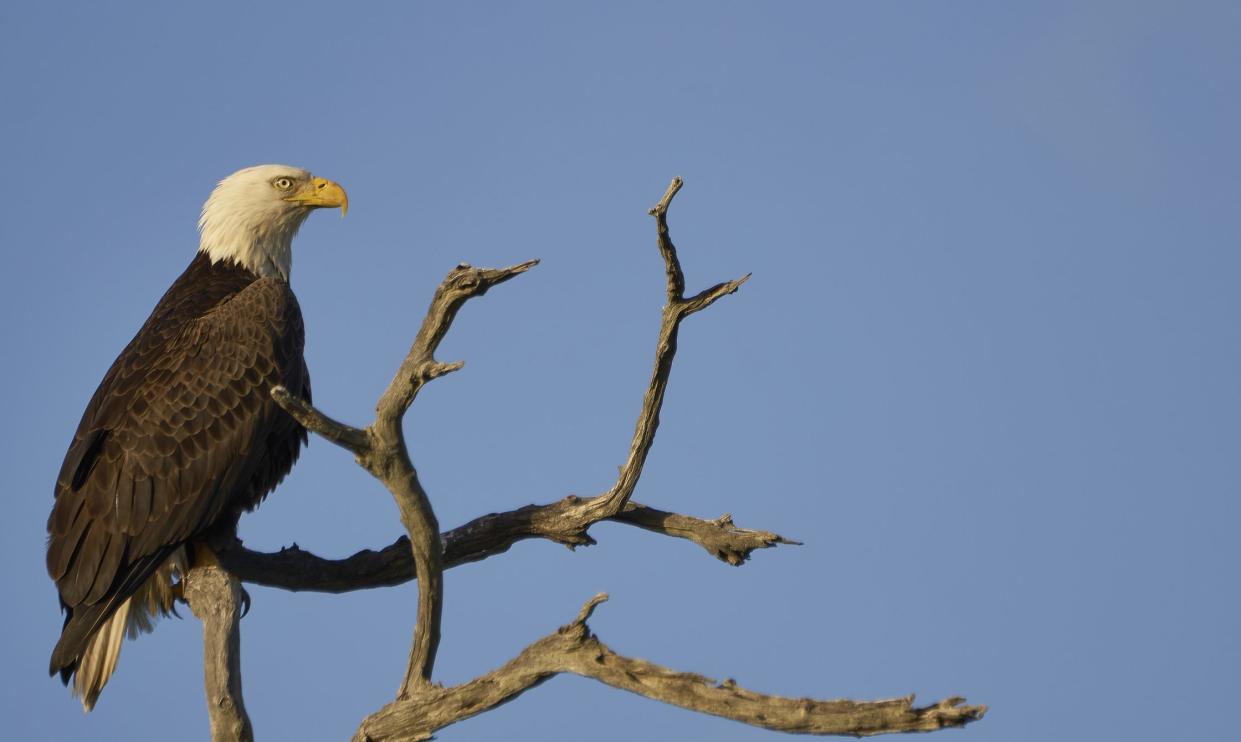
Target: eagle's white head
[[252, 215]]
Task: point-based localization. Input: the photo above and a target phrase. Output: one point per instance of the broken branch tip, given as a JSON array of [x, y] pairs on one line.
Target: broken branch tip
[[589, 608]]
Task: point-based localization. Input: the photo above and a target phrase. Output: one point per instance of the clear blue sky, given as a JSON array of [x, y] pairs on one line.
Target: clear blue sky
[[987, 367]]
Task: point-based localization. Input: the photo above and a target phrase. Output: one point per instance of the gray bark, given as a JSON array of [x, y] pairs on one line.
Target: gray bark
[[574, 649], [565, 521], [215, 598]]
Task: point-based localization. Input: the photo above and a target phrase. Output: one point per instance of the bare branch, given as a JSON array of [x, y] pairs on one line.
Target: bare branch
[[672, 265], [215, 597], [676, 309], [381, 450], [720, 537], [421, 707], [294, 568], [707, 297], [574, 649], [389, 458], [462, 284], [345, 436]]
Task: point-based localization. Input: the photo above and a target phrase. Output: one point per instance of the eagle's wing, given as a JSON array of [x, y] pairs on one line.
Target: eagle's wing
[[181, 433]]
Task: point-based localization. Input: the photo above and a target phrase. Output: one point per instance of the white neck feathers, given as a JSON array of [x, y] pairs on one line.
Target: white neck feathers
[[246, 221], [266, 249]]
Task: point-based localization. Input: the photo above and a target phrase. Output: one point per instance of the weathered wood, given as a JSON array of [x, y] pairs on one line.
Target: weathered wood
[[215, 597], [676, 309], [563, 521], [422, 707], [381, 450], [574, 649]]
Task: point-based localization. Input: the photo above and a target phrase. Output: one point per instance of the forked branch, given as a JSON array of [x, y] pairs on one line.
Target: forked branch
[[421, 707], [676, 309], [575, 649], [381, 450]]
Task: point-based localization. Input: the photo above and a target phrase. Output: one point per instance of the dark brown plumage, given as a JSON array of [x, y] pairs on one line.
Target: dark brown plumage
[[182, 434], [180, 438]]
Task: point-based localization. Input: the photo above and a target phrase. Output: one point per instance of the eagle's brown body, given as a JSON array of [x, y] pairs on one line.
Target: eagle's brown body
[[180, 438]]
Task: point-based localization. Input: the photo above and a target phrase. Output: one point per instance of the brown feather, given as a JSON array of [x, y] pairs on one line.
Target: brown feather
[[108, 565], [180, 437], [75, 585]]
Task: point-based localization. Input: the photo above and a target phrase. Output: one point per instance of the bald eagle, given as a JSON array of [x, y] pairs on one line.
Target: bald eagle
[[182, 435]]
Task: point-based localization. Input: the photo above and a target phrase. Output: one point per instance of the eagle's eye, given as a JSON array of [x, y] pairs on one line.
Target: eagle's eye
[[282, 184]]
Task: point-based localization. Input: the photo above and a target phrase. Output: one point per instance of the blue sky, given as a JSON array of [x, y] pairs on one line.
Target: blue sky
[[986, 368]]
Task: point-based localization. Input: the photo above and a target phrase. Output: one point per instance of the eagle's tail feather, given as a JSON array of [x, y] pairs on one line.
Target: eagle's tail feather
[[91, 640], [98, 661]]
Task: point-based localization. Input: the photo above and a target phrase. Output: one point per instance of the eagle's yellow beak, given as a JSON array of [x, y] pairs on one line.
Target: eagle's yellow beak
[[320, 193]]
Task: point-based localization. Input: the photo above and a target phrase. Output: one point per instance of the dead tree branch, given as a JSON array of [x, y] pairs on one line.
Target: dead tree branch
[[381, 450], [421, 707], [215, 598], [296, 569], [676, 309], [574, 649]]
